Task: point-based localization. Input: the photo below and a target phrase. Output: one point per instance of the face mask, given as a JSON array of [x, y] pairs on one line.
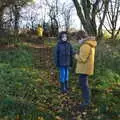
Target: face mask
[[81, 41], [64, 38]]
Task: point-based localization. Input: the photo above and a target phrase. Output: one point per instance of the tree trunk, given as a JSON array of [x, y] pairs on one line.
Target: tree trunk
[[1, 25], [87, 13], [100, 33], [1, 15], [17, 16], [88, 23], [54, 26]]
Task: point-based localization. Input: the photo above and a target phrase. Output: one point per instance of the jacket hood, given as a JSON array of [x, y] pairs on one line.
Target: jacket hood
[[60, 37], [61, 41], [91, 42]]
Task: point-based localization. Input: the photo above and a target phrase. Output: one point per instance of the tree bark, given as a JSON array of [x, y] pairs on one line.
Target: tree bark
[[85, 17], [112, 19], [16, 12], [87, 13], [1, 15], [100, 33], [1, 25]]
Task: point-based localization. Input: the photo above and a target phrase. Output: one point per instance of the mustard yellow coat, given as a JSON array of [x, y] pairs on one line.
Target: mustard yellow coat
[[85, 58], [40, 31]]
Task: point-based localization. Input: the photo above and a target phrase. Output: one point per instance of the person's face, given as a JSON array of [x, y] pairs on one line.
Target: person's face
[[64, 37], [80, 41]]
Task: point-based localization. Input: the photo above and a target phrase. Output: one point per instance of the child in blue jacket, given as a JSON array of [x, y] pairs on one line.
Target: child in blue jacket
[[64, 54]]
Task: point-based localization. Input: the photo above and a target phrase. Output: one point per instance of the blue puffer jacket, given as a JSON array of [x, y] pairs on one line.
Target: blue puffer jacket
[[64, 52]]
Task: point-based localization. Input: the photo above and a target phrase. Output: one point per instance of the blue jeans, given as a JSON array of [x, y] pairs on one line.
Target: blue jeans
[[64, 74], [83, 80]]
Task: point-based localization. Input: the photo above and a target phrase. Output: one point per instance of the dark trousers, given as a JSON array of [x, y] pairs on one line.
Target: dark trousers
[[83, 81]]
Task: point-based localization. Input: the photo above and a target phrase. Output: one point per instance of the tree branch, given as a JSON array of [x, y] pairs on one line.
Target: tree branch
[[103, 17]]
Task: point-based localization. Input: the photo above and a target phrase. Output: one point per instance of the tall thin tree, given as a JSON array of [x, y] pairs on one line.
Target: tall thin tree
[[87, 11]]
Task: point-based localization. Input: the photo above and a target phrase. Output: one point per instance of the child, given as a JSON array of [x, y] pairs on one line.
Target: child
[[85, 63], [63, 60]]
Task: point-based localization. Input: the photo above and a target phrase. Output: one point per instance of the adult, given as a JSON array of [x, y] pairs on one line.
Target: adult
[[85, 63]]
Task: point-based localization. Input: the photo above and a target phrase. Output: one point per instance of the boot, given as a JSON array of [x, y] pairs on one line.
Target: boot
[[66, 85], [86, 98], [62, 87]]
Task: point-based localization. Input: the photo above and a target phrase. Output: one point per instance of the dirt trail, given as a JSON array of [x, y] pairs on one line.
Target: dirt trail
[[42, 56]]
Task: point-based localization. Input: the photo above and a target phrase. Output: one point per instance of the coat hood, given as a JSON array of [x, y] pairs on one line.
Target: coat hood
[[61, 41], [60, 37], [91, 42]]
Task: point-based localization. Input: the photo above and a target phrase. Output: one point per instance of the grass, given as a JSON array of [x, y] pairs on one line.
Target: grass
[[30, 93]]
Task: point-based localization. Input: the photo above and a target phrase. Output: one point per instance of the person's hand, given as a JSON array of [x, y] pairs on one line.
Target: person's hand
[[76, 55], [70, 68]]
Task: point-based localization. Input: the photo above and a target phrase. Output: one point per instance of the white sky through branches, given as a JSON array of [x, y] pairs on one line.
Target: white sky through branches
[[41, 10]]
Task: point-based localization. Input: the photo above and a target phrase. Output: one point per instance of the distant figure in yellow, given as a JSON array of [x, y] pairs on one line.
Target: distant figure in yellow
[[40, 34], [40, 31]]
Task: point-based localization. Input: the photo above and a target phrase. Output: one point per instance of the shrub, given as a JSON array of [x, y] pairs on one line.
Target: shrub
[[17, 83]]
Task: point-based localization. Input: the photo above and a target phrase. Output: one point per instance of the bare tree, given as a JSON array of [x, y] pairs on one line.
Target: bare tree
[[66, 13], [7, 18], [87, 11], [16, 7], [53, 14], [3, 5], [112, 18], [30, 15]]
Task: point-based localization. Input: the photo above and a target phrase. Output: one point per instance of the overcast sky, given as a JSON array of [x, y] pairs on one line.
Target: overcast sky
[[40, 8]]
